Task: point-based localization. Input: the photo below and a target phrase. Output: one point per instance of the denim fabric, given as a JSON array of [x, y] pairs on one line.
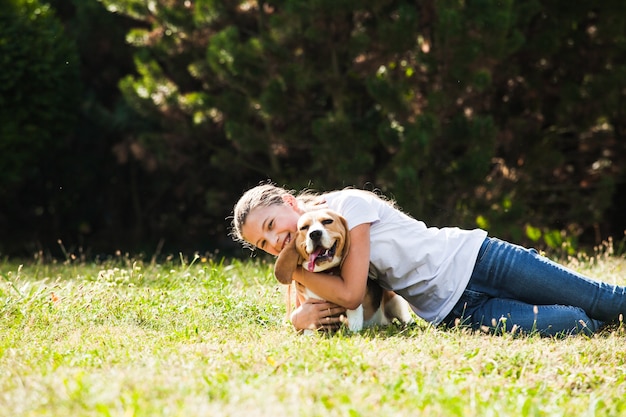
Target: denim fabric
[[514, 286]]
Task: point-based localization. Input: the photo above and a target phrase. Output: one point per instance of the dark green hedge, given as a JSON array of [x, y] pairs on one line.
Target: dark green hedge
[[506, 114], [38, 88]]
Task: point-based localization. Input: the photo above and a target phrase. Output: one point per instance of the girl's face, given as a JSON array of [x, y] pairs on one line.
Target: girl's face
[[270, 228]]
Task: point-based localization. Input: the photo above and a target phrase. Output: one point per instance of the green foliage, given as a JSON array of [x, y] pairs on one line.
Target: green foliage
[[38, 89], [438, 104], [491, 114]]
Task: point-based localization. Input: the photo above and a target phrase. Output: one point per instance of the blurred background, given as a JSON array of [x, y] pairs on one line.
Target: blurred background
[[135, 125]]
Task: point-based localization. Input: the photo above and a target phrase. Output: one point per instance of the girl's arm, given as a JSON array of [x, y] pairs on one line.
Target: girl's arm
[[348, 289]]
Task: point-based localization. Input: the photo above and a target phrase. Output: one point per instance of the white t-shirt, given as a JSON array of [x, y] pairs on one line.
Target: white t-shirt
[[428, 266]]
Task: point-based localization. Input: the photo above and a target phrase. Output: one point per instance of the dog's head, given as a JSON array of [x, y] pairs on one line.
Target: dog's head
[[320, 243]]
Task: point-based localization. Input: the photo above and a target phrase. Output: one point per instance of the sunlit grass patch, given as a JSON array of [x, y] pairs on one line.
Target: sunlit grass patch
[[208, 337]]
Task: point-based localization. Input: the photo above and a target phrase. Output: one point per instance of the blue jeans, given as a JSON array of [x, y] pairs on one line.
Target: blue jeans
[[514, 287]]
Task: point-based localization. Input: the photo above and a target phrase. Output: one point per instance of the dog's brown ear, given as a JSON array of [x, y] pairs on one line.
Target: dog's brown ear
[[346, 244], [286, 263]]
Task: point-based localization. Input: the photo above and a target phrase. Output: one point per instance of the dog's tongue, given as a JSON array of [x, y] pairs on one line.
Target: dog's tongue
[[313, 256]]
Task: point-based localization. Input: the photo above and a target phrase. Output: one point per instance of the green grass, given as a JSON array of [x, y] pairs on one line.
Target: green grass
[[208, 338]]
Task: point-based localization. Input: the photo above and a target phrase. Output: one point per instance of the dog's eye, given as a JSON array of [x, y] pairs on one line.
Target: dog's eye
[[305, 227], [327, 221]]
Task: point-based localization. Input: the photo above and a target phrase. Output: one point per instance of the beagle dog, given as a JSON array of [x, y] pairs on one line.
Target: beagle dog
[[321, 243]]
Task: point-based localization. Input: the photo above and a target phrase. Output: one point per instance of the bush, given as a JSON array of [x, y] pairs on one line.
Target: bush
[[466, 113], [39, 87], [504, 116]]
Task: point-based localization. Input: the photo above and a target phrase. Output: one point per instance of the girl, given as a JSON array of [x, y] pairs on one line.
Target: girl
[[448, 275]]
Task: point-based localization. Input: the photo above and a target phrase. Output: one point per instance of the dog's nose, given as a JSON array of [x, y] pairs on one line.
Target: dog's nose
[[315, 234]]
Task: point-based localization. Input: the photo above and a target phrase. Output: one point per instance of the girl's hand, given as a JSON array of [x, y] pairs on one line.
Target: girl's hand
[[318, 315]]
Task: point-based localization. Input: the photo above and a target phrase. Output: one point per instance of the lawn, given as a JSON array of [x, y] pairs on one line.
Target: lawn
[[208, 337]]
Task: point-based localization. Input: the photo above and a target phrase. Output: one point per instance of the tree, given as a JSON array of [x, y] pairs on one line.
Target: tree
[[500, 115], [39, 90]]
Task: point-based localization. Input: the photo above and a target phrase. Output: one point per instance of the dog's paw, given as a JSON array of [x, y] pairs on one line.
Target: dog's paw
[[355, 319]]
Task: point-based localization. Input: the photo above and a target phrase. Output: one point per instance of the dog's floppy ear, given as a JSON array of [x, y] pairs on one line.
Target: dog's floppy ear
[[286, 263], [346, 244]]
